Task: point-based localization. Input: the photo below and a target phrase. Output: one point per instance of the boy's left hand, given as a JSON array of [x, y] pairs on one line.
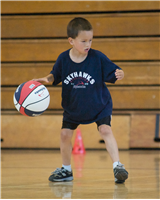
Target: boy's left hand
[[119, 74]]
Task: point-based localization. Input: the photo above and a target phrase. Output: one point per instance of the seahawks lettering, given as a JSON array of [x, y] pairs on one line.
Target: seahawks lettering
[[79, 79]]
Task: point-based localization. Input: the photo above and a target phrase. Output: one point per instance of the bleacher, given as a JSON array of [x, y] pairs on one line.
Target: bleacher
[[33, 34]]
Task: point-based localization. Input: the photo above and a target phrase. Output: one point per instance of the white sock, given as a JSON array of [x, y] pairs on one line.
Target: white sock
[[67, 167], [115, 164]]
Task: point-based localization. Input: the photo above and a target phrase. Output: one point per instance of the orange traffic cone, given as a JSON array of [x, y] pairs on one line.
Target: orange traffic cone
[[78, 144]]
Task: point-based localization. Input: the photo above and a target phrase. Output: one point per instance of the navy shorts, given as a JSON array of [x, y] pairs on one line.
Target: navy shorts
[[73, 126]]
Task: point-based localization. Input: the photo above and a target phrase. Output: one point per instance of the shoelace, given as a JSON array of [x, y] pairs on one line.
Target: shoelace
[[56, 171], [120, 165]]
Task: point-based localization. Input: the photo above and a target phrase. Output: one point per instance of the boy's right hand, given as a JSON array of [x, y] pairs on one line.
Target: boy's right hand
[[46, 79], [41, 80]]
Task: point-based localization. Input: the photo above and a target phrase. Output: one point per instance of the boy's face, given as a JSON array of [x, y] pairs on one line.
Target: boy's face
[[82, 43]]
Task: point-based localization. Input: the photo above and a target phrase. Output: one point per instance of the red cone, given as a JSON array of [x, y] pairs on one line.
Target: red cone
[[78, 144]]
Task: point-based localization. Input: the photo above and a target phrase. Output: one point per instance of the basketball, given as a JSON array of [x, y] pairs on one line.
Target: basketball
[[31, 98]]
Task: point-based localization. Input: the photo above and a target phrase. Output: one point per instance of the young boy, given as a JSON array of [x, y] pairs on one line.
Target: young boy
[[85, 98]]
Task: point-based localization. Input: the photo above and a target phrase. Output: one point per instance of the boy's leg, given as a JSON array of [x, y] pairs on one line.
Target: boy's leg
[[66, 146], [65, 173], [111, 145], [65, 143]]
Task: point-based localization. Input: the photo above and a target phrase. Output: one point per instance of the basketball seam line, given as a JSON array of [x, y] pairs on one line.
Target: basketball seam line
[[20, 95], [28, 95], [36, 102]]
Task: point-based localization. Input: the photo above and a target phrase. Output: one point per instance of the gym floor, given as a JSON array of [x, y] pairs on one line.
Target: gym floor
[[24, 175]]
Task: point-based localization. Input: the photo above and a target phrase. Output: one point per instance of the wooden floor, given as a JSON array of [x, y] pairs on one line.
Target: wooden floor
[[25, 175]]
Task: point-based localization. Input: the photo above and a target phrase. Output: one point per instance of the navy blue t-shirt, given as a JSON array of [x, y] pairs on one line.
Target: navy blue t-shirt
[[85, 97]]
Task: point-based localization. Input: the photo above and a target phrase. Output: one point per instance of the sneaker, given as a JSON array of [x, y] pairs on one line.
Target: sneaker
[[61, 174], [120, 173]]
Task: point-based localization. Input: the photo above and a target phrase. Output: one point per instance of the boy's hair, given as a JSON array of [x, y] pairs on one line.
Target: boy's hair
[[78, 24]]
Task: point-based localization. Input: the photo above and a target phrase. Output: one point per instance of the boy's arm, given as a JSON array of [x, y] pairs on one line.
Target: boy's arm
[[119, 74], [47, 79]]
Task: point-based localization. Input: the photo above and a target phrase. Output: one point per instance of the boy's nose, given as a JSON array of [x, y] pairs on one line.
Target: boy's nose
[[88, 44]]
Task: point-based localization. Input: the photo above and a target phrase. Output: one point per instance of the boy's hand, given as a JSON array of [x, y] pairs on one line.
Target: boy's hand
[[47, 79], [41, 80], [119, 74]]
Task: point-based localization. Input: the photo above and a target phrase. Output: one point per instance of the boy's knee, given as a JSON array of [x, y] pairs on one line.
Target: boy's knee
[[66, 134], [104, 130]]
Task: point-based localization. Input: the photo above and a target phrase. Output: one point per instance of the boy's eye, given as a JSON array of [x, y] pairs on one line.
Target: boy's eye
[[86, 41]]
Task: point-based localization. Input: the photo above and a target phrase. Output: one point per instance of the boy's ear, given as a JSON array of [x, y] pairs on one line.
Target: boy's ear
[[70, 40]]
